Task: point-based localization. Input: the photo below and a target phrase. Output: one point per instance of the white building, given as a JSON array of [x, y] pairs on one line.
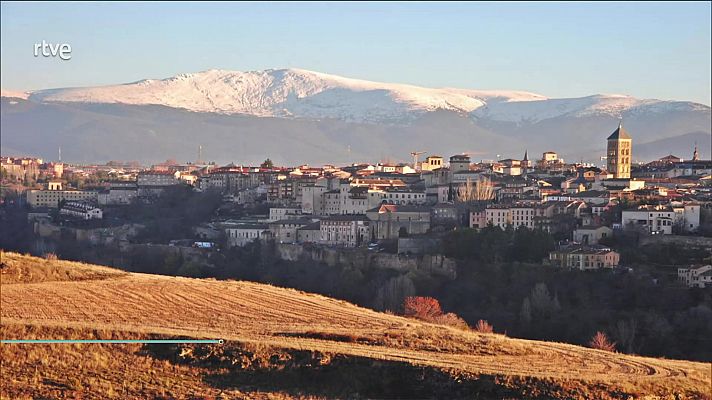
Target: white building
[[591, 234], [584, 258], [241, 235], [152, 183], [498, 216], [313, 199], [279, 213], [700, 277], [400, 196], [354, 199], [332, 202], [687, 216], [55, 193], [81, 210], [522, 215], [661, 219]]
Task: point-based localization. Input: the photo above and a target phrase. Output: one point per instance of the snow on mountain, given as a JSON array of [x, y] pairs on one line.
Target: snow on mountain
[[614, 105], [296, 93], [286, 93], [13, 94]]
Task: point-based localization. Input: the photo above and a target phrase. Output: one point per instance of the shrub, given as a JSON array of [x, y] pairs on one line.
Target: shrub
[[483, 326], [601, 342], [426, 308], [451, 319], [50, 257]]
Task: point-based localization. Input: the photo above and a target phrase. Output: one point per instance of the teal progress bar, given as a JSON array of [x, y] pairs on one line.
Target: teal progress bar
[[20, 341]]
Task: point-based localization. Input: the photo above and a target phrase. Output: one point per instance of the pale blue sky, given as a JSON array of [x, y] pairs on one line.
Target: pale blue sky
[[647, 50]]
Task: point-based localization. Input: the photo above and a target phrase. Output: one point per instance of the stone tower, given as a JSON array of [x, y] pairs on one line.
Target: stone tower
[[695, 154], [620, 146]]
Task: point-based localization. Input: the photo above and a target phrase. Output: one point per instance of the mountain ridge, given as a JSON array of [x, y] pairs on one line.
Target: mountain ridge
[[300, 93], [296, 116]]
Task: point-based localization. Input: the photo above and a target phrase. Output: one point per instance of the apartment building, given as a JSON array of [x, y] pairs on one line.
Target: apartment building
[[152, 182], [498, 216], [522, 215], [243, 234], [279, 213], [584, 258], [345, 230], [649, 219], [55, 193], [312, 200]]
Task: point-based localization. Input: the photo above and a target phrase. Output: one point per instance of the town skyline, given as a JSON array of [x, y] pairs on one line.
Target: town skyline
[[363, 200]]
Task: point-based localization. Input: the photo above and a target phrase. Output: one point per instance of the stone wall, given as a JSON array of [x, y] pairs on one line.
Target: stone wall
[[417, 245], [95, 236], [362, 258]]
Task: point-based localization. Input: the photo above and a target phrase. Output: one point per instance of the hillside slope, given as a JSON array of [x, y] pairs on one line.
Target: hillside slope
[[251, 313]]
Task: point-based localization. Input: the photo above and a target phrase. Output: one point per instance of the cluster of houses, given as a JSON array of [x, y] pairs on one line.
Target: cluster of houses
[[25, 169], [354, 205]]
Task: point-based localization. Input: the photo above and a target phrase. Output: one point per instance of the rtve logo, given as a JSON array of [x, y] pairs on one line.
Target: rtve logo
[[63, 50]]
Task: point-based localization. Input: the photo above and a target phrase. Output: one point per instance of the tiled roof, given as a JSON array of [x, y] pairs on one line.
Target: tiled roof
[[314, 226], [399, 208], [346, 217], [619, 133]]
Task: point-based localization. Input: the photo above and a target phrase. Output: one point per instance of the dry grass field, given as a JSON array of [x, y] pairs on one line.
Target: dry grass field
[[316, 346]]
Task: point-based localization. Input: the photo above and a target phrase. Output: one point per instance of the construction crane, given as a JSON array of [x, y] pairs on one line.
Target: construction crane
[[415, 155]]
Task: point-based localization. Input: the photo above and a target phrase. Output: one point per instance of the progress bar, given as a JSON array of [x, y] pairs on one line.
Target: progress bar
[[117, 341]]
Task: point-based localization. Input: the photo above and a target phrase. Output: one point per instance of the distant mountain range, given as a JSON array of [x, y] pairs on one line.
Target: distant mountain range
[[295, 116]]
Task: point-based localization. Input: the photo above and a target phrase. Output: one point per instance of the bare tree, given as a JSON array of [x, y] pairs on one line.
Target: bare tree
[[390, 296], [541, 301], [525, 315], [601, 342], [481, 190], [625, 332], [483, 326]]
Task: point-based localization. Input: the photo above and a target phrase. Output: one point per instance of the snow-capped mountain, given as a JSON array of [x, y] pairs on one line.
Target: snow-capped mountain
[[287, 93], [596, 105], [305, 94], [295, 116]]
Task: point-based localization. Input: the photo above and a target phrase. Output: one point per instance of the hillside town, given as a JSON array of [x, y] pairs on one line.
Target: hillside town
[[400, 208]]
